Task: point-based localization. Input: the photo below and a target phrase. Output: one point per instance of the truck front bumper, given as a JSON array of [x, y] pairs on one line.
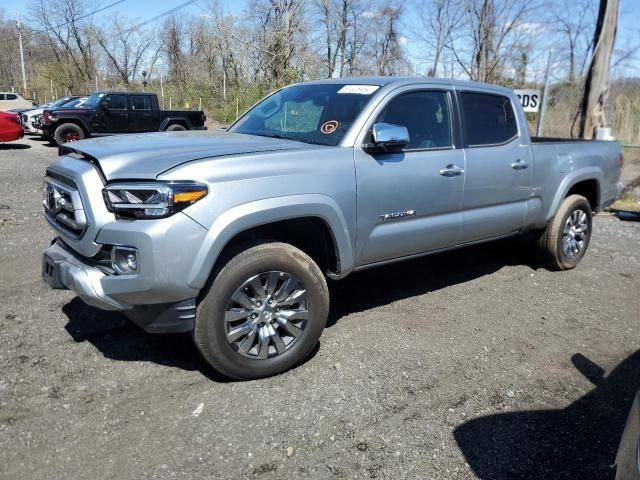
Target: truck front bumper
[[62, 269]]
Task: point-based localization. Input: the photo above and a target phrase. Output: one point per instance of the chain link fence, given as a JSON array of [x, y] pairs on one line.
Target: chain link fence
[[621, 112]]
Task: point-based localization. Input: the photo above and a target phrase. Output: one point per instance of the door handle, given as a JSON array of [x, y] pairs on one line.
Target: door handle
[[519, 165], [451, 170]]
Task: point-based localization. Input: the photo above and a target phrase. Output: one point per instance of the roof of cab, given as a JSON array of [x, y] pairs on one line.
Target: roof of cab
[[106, 92], [401, 81]]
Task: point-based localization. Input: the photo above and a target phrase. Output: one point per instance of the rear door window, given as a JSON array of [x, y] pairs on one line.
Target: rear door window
[[488, 119], [140, 102], [11, 96]]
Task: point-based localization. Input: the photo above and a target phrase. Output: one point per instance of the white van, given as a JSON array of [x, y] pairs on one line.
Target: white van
[[11, 100]]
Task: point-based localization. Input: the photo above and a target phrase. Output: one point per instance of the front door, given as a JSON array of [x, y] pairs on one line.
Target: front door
[[498, 178], [114, 113], [408, 202]]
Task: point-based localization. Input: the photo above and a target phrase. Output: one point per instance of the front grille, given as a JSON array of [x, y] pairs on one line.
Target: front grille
[[63, 207]]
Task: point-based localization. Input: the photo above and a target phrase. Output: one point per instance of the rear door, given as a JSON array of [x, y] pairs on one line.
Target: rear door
[[408, 202], [498, 166], [142, 114]]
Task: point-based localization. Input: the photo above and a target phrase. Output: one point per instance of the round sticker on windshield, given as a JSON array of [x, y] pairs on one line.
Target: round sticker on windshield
[[329, 127]]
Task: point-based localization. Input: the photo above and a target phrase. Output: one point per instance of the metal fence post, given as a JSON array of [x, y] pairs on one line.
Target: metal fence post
[[544, 96]]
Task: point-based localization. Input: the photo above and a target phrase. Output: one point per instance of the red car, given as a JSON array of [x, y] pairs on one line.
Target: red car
[[10, 128]]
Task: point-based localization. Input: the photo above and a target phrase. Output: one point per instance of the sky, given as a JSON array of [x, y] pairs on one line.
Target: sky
[[141, 10]]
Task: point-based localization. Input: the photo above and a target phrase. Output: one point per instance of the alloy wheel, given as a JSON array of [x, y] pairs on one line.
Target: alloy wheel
[[266, 315], [574, 235]]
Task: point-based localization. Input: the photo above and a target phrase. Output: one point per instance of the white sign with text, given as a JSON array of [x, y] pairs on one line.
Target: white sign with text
[[529, 99]]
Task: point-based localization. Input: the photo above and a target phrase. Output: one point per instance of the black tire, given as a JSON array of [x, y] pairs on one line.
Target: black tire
[[68, 132], [175, 127], [550, 243], [210, 334]]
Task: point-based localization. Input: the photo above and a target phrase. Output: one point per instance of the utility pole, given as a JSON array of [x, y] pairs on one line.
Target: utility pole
[[24, 77], [597, 83], [545, 93]]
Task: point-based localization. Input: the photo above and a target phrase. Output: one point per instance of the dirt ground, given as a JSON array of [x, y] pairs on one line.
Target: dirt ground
[[471, 364]]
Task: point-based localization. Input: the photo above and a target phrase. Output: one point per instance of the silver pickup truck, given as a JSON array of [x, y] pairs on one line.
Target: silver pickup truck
[[232, 235]]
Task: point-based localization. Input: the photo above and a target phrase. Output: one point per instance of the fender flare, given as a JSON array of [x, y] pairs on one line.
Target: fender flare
[[165, 123], [262, 212], [71, 119], [577, 176]]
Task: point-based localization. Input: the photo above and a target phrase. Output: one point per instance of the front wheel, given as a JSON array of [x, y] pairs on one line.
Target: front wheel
[[566, 239], [68, 132], [264, 312]]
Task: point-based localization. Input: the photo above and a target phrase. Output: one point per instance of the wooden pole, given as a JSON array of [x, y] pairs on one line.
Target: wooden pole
[[597, 82]]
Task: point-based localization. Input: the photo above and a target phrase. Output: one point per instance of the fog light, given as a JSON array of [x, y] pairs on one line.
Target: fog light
[[124, 260]]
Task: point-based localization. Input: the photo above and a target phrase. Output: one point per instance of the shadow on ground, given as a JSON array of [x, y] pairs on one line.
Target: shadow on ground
[[382, 285], [118, 339], [14, 146], [578, 442]]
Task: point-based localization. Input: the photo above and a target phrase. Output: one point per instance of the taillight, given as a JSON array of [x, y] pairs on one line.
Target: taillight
[[45, 116], [204, 118], [17, 119], [621, 160]]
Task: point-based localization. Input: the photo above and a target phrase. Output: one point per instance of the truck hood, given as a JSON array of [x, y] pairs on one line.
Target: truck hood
[[147, 155]]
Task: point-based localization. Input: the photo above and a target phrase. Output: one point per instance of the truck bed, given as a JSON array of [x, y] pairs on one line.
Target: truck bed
[[562, 140]]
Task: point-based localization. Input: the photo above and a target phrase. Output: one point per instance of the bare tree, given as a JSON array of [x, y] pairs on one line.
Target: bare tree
[[69, 39], [438, 22], [279, 27], [336, 20], [125, 48], [384, 44], [576, 29], [495, 28]]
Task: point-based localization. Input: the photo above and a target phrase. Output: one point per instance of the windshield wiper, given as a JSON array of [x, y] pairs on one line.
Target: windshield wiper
[[295, 139], [274, 135]]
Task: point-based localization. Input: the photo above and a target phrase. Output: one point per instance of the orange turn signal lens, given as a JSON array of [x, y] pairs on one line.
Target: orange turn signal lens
[[190, 197]]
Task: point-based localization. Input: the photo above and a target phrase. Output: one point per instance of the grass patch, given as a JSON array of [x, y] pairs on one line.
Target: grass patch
[[626, 204]]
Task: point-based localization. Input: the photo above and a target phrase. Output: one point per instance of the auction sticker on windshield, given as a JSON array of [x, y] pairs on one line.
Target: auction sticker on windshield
[[329, 127], [361, 89]]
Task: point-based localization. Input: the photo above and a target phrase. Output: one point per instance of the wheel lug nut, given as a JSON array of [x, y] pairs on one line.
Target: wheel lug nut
[[259, 304]]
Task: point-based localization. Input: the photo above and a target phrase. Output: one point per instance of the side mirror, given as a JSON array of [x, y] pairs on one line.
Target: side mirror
[[387, 138]]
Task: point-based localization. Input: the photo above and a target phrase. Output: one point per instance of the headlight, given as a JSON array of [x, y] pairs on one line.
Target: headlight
[[151, 200]]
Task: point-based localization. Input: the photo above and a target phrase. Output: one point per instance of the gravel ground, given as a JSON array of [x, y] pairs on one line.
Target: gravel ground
[[471, 364]]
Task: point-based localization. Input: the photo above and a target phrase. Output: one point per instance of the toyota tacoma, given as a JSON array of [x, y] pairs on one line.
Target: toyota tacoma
[[232, 235]]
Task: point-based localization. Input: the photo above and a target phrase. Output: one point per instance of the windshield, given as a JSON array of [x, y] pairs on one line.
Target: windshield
[[60, 101], [93, 100], [320, 114], [76, 102]]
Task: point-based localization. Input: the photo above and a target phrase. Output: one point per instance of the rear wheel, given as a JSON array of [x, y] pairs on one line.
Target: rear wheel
[[176, 127], [566, 239], [68, 132], [263, 313]]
